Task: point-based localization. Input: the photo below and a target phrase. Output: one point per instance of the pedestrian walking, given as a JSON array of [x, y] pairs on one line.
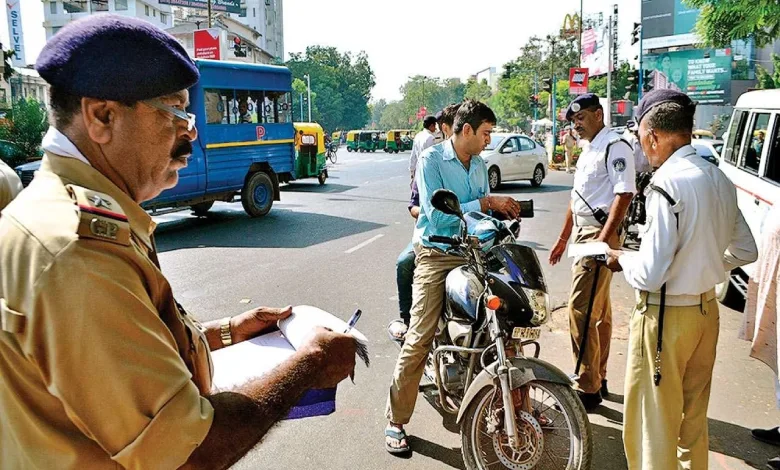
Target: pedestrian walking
[[604, 184], [569, 144], [694, 231], [760, 326]]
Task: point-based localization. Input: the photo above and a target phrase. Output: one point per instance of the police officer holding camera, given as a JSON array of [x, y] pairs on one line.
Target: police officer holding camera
[[604, 184]]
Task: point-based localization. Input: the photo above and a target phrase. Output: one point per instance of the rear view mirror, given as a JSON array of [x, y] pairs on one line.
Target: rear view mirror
[[507, 149], [447, 202]]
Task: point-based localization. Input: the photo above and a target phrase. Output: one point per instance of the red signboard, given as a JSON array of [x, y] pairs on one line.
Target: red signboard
[[578, 81], [206, 43], [260, 132]]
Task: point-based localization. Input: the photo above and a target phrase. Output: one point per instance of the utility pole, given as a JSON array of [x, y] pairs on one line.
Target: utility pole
[[308, 87], [423, 91], [536, 93], [641, 69], [608, 111], [209, 13], [579, 37], [301, 102]]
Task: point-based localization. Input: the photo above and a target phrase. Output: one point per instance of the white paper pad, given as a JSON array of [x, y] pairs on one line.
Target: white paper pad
[[580, 250], [237, 364]]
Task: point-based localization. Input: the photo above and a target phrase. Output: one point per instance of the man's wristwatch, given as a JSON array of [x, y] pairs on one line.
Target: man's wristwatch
[[224, 332]]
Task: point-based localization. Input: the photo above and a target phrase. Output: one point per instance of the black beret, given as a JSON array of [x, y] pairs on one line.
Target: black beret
[[582, 102], [116, 58], [657, 97], [439, 116]]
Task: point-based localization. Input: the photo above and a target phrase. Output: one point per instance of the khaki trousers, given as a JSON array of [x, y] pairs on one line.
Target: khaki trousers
[[665, 426], [594, 361], [430, 273]]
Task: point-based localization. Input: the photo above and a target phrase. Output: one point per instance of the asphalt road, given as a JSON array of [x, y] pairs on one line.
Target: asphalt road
[[335, 246]]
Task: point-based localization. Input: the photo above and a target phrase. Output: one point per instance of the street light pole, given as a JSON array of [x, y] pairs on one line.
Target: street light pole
[[209, 13], [308, 86], [579, 36]]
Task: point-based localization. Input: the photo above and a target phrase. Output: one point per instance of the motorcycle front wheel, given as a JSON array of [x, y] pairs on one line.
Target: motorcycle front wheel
[[554, 431]]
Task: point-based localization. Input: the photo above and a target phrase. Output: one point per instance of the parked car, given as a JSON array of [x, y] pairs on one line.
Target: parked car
[[27, 171], [708, 149], [751, 160], [514, 157]]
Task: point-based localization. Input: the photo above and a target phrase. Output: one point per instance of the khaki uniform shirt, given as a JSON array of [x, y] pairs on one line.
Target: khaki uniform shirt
[[10, 184], [99, 367]]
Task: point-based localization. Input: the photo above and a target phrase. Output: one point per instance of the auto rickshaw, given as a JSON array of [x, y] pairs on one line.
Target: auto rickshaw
[[394, 144], [336, 137], [407, 139], [310, 152], [352, 141], [368, 141]]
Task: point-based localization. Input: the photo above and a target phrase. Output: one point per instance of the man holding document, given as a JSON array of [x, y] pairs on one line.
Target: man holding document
[[604, 184], [100, 366]]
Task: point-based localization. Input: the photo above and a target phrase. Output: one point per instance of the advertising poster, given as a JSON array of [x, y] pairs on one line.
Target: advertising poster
[[207, 43], [595, 50], [230, 6], [703, 74]]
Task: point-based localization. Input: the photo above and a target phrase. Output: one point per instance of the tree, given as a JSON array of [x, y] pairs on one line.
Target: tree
[[767, 80], [394, 116], [341, 86], [377, 110], [25, 129], [479, 91], [723, 21]]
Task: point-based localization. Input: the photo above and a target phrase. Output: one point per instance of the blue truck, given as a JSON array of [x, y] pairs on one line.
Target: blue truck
[[245, 145]]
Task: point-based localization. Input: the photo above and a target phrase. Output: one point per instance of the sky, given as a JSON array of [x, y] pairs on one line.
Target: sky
[[403, 38]]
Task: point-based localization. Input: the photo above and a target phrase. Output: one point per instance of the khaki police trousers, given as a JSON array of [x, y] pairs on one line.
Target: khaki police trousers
[[665, 426], [594, 361], [430, 272]]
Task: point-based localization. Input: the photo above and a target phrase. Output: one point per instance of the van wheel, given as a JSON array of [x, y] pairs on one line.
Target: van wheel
[[536, 181], [200, 209], [494, 178], [729, 295], [257, 195]]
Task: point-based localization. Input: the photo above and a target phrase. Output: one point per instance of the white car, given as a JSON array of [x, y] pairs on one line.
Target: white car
[[708, 149], [514, 157]]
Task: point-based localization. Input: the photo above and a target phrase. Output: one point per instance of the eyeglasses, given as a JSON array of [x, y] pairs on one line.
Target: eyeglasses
[[181, 114]]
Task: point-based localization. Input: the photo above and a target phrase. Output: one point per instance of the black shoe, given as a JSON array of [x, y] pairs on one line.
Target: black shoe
[[773, 464], [591, 401], [604, 390], [770, 436]]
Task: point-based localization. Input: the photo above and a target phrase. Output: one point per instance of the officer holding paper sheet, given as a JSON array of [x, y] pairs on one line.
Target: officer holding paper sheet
[[604, 184], [101, 367]]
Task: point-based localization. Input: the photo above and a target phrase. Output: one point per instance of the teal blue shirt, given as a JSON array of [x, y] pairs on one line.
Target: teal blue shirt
[[438, 167]]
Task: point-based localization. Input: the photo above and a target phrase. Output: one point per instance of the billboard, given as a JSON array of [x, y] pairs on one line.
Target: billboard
[[207, 44], [14, 16], [578, 81], [667, 23], [595, 50], [703, 74], [230, 6]]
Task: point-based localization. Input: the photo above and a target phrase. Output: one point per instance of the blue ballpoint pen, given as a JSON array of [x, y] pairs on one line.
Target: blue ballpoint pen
[[353, 320]]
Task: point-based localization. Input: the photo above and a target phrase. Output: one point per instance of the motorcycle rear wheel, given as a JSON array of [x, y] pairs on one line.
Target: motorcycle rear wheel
[[556, 433]]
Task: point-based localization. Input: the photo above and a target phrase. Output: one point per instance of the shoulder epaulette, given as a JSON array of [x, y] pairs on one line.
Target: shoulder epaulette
[[101, 217]]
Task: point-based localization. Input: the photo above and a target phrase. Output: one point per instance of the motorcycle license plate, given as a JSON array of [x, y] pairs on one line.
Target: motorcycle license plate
[[526, 333]]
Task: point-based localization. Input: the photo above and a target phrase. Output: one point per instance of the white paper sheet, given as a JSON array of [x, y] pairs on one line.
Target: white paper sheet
[[580, 250], [297, 327], [239, 363]]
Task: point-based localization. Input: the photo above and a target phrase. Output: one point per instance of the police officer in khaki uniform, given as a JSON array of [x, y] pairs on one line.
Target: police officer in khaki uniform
[[99, 365], [604, 184], [10, 184], [695, 233]]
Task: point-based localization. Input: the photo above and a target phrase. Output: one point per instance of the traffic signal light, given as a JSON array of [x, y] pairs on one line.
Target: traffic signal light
[[633, 81], [547, 84], [647, 80], [533, 101], [635, 33], [507, 71], [238, 50]]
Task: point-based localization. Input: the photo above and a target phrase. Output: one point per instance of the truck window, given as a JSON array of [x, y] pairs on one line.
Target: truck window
[[218, 104], [736, 131], [754, 145]]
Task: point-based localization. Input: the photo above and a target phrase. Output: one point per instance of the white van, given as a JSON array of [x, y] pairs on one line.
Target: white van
[[751, 160]]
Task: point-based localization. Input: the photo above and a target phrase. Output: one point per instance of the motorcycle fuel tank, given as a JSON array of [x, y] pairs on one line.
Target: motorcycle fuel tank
[[463, 290]]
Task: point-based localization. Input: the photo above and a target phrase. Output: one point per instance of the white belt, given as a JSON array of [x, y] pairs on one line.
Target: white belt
[[585, 221], [654, 298]]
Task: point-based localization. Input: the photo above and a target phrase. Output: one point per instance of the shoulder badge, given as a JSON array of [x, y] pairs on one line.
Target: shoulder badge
[[619, 164], [101, 217]]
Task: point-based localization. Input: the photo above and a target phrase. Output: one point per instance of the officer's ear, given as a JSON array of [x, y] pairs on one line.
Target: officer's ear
[[99, 115]]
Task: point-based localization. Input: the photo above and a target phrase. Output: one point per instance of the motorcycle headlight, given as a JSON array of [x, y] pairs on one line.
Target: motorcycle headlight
[[540, 304]]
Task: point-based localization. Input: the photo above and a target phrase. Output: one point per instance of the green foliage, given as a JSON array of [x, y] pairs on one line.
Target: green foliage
[[432, 92], [765, 79], [25, 129], [479, 91], [722, 21], [341, 86]]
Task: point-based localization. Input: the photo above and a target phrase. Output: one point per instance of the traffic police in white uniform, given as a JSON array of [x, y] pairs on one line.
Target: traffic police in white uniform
[[694, 234], [603, 187]]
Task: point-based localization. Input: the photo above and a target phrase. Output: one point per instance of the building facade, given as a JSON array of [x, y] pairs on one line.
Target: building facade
[[266, 17], [58, 13]]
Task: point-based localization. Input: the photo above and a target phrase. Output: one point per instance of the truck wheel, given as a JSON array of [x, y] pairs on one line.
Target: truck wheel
[[200, 209], [257, 195]]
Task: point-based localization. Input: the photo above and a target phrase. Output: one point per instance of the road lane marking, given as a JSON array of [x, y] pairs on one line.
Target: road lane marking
[[364, 244]]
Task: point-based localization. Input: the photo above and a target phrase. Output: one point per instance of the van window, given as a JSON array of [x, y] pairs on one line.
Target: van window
[[773, 156], [755, 143], [736, 131]]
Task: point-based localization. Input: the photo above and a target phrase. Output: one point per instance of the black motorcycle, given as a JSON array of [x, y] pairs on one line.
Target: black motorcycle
[[515, 411]]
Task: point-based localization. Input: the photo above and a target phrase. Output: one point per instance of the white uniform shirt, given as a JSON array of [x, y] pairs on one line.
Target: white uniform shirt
[[641, 164], [599, 181], [58, 143], [712, 237], [10, 184], [422, 141]]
